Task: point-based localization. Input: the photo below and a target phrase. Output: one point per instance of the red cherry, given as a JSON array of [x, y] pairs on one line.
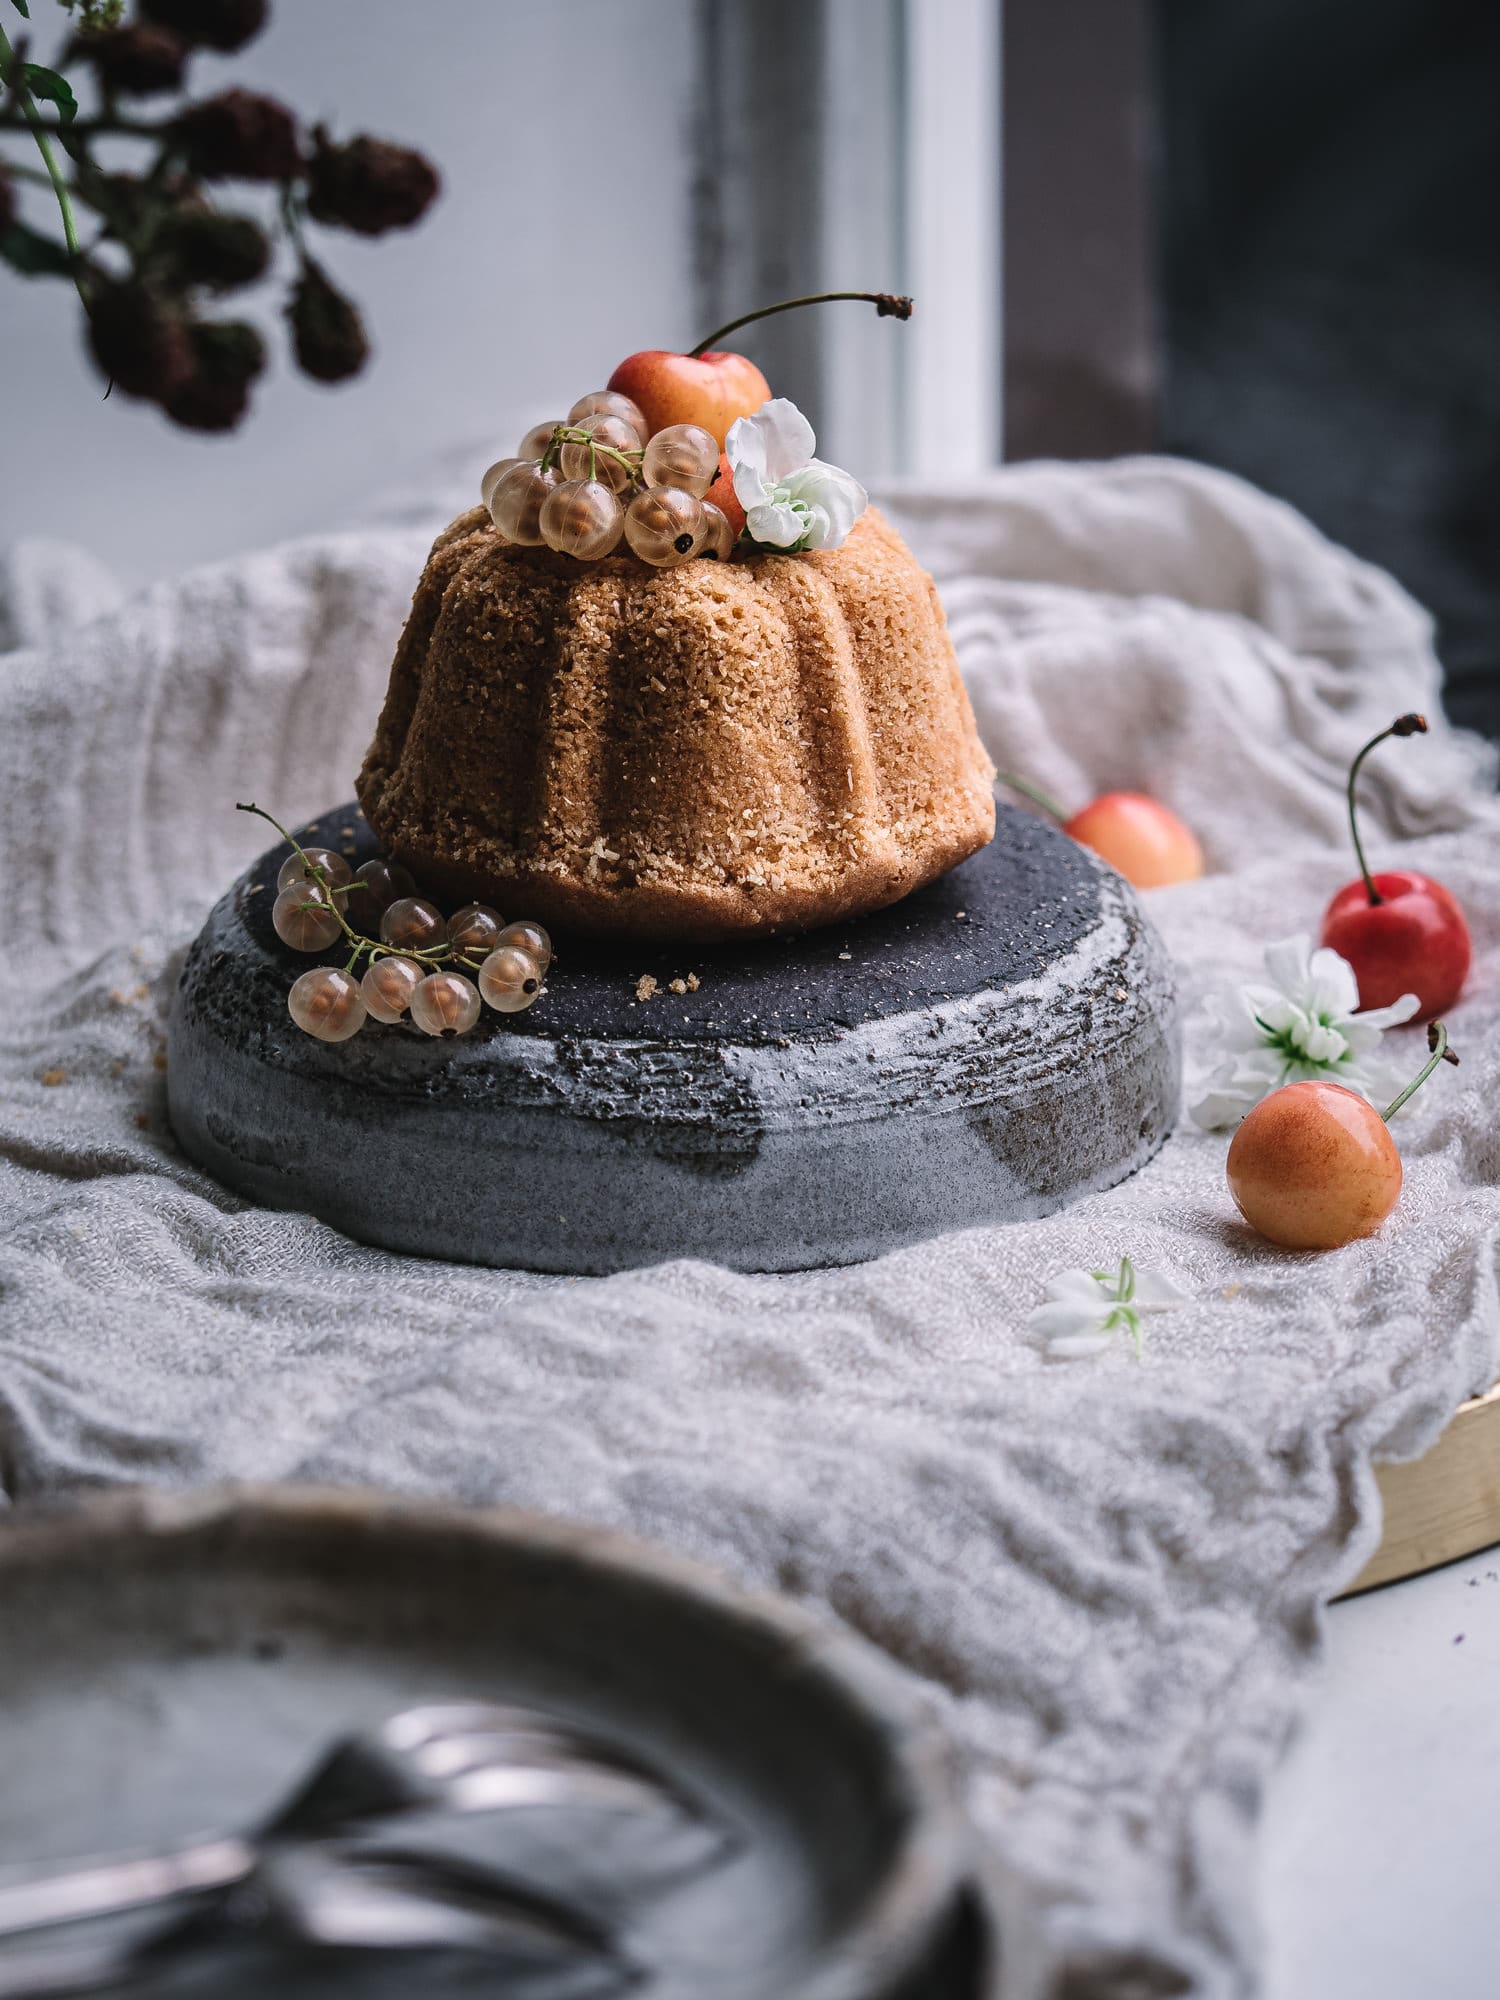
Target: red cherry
[[1314, 1167], [708, 389], [1414, 940], [712, 387], [1401, 931], [1141, 839]]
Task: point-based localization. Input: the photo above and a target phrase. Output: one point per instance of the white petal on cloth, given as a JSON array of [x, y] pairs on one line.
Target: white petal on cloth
[[1104, 1580]]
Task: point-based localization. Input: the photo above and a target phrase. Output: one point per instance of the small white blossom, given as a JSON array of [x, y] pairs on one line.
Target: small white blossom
[[1084, 1312], [1303, 1024], [791, 499]]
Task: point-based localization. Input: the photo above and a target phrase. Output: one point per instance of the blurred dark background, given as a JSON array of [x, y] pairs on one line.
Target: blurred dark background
[[1266, 234], [1329, 175]]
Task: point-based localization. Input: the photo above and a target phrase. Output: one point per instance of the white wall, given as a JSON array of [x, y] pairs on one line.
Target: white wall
[[561, 243]]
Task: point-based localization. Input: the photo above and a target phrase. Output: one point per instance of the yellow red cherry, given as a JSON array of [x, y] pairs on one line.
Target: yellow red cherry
[[1138, 836], [1314, 1166]]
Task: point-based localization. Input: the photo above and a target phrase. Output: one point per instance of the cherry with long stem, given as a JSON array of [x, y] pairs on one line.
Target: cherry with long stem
[[1437, 1041], [1404, 725], [889, 305]]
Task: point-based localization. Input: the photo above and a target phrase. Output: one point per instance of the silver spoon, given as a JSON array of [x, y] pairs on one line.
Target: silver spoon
[[323, 1899], [455, 1757]]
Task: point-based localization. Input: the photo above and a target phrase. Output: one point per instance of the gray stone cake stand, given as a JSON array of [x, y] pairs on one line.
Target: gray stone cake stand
[[987, 1050]]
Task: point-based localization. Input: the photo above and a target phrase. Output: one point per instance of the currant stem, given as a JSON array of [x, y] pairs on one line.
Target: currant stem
[[889, 305], [376, 948], [1404, 725], [1437, 1041], [1033, 792]]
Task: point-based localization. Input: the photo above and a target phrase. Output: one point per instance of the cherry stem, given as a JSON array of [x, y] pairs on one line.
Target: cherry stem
[[1437, 1041], [1404, 725], [1033, 792], [889, 305]]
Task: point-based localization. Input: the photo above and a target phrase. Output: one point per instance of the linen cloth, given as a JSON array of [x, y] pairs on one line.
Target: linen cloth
[[1108, 1575]]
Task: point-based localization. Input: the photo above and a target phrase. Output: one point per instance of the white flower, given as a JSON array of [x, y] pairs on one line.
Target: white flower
[[791, 499], [1084, 1312], [1302, 1025]]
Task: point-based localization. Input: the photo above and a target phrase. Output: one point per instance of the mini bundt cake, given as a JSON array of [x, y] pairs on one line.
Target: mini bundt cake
[[699, 752]]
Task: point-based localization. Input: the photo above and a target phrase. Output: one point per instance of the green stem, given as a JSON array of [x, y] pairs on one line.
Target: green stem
[[1437, 1041], [1404, 725], [32, 118], [436, 959], [575, 434], [1033, 792], [890, 305]]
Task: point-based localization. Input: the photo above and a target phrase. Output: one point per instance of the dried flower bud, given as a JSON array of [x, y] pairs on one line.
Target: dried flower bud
[[220, 251], [139, 339], [210, 24], [136, 61], [369, 184], [328, 335], [215, 393], [240, 135]]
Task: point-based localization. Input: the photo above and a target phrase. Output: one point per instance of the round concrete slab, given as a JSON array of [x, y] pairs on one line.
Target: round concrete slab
[[988, 1050]]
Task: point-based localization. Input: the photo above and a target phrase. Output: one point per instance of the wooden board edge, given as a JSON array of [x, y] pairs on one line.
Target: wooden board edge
[[1443, 1506]]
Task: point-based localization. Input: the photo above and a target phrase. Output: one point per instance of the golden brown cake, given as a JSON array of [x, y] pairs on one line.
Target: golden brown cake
[[701, 752]]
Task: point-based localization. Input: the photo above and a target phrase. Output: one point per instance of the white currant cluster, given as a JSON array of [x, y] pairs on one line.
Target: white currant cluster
[[583, 485], [419, 961]]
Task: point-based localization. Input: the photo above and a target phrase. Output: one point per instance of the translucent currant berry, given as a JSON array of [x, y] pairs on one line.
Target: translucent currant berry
[[475, 928], [682, 455], [492, 476], [376, 885], [300, 867], [582, 517], [718, 536], [516, 503], [302, 917], [584, 461], [388, 986], [413, 924], [609, 403], [537, 439], [510, 979], [327, 1003], [529, 937], [664, 525], [445, 1004]]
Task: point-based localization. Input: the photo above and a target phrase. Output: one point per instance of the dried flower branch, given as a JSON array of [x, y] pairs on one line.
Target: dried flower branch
[[161, 247]]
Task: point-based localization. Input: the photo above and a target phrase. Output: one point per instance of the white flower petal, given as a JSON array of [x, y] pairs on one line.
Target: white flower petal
[[828, 491], [1156, 1292], [1220, 1107], [776, 523], [745, 448], [1332, 987], [1287, 964], [1054, 1322], [1082, 1288], [1079, 1346], [1322, 1045], [777, 441], [1393, 1016]]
